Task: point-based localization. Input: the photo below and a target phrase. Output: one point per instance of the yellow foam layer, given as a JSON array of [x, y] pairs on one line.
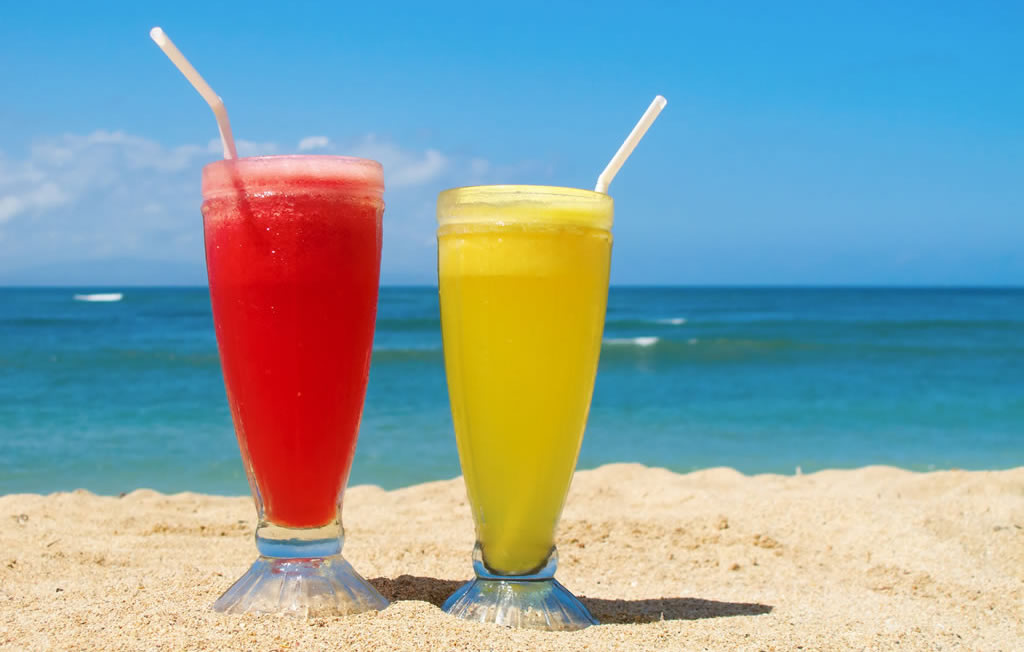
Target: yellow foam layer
[[525, 204]]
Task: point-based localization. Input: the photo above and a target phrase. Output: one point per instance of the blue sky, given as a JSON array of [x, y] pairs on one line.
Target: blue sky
[[803, 143]]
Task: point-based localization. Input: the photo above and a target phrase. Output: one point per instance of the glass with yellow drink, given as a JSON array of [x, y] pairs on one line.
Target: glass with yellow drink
[[523, 275]]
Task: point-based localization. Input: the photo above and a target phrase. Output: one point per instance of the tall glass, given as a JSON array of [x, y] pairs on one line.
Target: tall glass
[[523, 275], [293, 256]]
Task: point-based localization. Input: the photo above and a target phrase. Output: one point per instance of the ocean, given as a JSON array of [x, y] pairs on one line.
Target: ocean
[[111, 396]]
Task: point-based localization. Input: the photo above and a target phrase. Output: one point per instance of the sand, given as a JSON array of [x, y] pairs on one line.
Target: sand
[[874, 558]]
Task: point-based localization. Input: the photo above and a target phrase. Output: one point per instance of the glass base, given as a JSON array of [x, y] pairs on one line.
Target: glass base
[[530, 604], [303, 587]]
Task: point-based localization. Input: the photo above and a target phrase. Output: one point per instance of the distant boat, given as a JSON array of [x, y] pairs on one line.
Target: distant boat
[[109, 296]]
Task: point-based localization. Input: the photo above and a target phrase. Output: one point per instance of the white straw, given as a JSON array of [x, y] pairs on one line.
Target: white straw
[[194, 78], [634, 137]]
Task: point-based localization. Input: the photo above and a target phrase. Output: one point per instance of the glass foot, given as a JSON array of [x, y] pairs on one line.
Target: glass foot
[[530, 604], [305, 587]]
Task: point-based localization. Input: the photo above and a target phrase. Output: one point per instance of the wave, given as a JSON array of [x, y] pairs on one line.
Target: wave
[[645, 341], [62, 362], [430, 324], [855, 322], [101, 297], [389, 355], [33, 322], [645, 347], [700, 350], [639, 323], [885, 326], [402, 354]]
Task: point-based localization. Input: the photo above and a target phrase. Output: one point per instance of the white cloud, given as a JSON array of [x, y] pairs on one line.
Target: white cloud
[[9, 207], [32, 191], [314, 142], [47, 195], [109, 193], [479, 166], [68, 169], [402, 167], [417, 172], [60, 171], [52, 154], [104, 137], [102, 194], [243, 147]]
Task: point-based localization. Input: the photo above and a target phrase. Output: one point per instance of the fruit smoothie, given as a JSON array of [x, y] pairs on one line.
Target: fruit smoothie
[[523, 274], [293, 249]]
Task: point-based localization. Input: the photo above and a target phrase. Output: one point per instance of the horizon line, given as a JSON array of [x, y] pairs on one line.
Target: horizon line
[[694, 286]]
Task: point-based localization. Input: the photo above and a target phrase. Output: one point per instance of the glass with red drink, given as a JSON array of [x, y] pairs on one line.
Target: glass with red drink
[[293, 255]]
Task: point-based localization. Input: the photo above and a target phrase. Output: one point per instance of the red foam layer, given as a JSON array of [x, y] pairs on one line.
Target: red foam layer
[[262, 173]]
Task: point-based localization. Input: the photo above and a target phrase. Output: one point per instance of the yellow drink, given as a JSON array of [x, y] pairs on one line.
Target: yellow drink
[[523, 275]]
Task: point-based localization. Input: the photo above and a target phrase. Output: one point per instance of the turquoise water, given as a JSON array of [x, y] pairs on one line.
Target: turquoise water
[[119, 395]]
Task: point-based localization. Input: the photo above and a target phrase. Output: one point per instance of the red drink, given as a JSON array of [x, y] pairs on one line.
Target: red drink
[[293, 255]]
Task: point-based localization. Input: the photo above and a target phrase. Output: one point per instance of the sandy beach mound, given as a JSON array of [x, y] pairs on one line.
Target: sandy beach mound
[[874, 558]]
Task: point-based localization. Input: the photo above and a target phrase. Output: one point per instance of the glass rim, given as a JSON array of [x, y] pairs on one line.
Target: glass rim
[[352, 174], [513, 188], [265, 157], [524, 204]]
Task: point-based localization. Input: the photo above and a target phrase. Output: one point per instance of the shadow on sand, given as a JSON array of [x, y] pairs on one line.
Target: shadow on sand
[[435, 591]]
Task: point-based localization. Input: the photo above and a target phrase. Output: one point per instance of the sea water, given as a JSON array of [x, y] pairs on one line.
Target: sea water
[[120, 394]]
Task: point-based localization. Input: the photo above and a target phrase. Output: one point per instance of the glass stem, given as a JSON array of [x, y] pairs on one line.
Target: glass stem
[[546, 571], [278, 541]]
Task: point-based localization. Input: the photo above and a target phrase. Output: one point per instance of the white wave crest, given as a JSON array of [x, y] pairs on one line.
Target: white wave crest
[[674, 321], [633, 341], [109, 296]]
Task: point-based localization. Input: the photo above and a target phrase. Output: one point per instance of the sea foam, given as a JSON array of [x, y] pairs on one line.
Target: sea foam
[[108, 296], [633, 341]]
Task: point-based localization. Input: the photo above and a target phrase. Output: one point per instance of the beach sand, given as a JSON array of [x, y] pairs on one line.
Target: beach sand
[[874, 558]]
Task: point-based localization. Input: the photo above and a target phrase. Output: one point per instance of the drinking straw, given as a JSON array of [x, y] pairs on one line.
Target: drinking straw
[[627, 147], [197, 81]]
